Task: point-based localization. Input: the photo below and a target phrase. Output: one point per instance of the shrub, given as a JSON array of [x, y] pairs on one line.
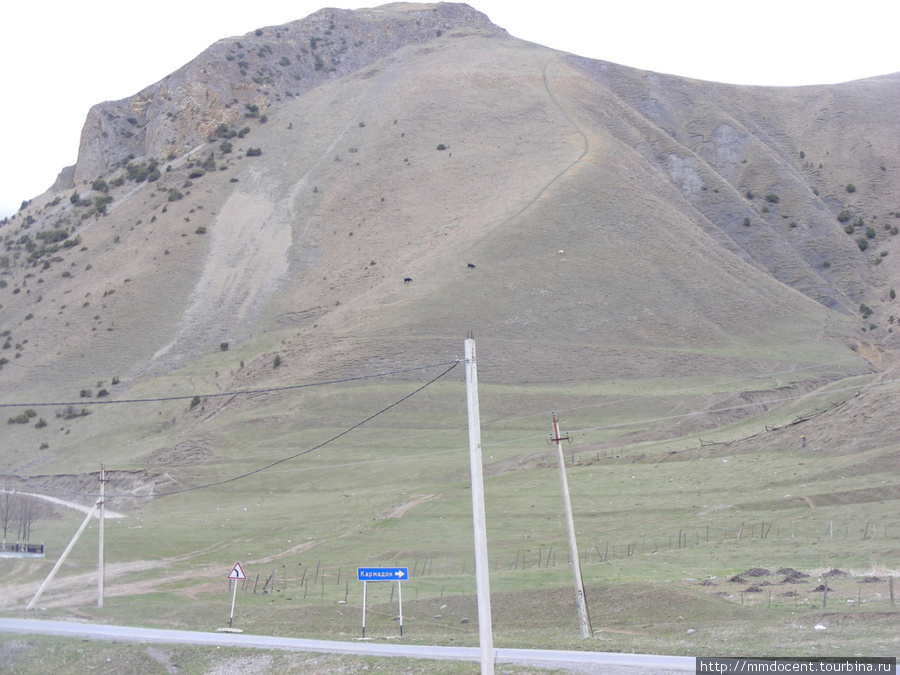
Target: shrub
[[850, 228], [850, 188], [277, 362], [102, 392], [195, 402], [52, 236], [865, 310], [746, 222], [19, 419], [863, 243], [254, 152], [225, 147], [870, 232], [40, 424], [441, 146], [139, 172], [223, 346], [772, 198], [749, 194], [174, 195], [843, 216], [893, 294], [200, 230], [85, 393]]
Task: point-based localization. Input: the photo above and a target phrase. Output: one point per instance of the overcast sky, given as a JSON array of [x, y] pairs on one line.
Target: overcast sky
[[58, 59]]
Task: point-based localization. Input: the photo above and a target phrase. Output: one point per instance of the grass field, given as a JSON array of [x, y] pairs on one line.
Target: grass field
[[665, 523]]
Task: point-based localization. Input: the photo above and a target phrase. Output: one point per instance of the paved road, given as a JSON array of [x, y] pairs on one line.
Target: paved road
[[575, 661]]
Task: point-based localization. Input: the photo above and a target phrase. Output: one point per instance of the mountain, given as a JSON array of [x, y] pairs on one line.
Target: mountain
[[352, 193]]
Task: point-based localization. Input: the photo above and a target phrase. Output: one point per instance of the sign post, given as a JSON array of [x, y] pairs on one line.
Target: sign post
[[236, 574], [367, 574]]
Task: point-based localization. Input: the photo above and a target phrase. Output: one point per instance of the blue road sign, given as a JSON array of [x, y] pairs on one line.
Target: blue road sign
[[382, 573]]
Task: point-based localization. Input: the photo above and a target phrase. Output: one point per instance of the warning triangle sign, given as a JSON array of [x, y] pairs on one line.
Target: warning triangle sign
[[237, 572]]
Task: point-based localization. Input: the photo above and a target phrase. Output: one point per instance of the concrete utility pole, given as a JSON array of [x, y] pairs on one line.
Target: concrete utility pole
[[482, 584], [101, 571], [63, 557], [583, 617]]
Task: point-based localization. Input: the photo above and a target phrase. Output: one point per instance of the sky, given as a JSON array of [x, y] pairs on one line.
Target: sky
[[58, 59]]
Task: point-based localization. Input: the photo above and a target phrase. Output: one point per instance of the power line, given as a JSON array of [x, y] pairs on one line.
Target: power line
[[453, 364], [257, 470], [242, 392]]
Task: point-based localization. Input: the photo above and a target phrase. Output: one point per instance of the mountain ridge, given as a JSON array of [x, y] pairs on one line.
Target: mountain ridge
[[613, 220]]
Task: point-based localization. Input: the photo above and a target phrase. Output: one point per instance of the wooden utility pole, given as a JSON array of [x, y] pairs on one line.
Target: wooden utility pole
[[583, 616], [101, 572], [482, 584]]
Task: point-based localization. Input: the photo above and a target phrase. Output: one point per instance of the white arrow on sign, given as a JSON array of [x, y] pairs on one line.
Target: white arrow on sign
[[237, 572]]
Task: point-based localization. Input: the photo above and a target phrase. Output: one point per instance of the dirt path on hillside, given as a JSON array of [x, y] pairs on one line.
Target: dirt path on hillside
[[107, 514], [81, 589], [400, 511]]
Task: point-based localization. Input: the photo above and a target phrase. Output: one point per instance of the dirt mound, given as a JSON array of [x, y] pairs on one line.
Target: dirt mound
[[756, 572], [835, 573], [792, 576]]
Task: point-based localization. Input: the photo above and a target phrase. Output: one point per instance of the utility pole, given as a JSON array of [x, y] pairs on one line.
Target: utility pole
[[101, 571], [63, 557], [482, 584], [583, 617]]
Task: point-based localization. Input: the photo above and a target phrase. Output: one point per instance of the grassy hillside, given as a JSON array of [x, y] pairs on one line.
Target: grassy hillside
[[255, 336]]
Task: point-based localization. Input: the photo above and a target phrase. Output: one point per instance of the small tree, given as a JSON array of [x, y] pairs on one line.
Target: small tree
[[28, 510]]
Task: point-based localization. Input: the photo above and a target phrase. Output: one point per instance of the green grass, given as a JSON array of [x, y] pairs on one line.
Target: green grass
[[663, 521]]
